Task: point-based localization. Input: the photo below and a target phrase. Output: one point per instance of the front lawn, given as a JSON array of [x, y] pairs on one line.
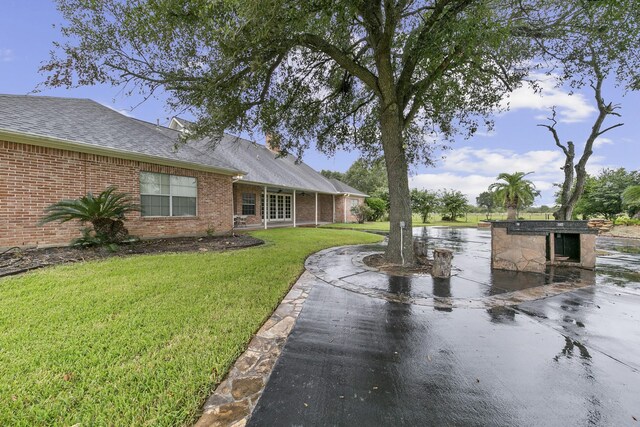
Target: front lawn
[[140, 340]]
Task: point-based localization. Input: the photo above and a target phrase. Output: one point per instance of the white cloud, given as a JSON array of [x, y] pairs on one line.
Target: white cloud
[[122, 111], [6, 55], [599, 142], [471, 171], [571, 108]]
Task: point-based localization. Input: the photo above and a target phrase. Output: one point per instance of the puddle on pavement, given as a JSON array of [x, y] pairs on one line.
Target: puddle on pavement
[[473, 277]]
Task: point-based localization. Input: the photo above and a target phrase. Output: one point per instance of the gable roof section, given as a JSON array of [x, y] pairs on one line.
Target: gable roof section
[[264, 166], [87, 126], [341, 187]]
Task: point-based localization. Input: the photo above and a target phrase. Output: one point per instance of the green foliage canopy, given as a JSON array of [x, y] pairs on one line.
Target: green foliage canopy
[[424, 202], [453, 204]]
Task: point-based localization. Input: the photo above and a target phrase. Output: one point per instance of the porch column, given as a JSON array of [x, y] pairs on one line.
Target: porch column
[[316, 208], [264, 208], [345, 208], [333, 217], [294, 208]]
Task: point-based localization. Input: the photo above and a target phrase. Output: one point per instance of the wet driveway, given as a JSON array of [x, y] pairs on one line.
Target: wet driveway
[[370, 349]]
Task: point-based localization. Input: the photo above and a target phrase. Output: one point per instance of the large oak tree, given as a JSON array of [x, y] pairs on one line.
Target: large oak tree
[[394, 77]]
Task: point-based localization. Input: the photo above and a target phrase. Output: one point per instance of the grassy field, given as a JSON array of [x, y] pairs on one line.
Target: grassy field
[[470, 220], [140, 340]]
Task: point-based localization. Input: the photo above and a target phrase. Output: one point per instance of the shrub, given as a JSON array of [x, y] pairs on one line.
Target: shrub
[[106, 213], [377, 206], [362, 212]]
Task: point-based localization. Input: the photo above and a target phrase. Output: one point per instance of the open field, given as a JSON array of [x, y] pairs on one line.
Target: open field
[[470, 220]]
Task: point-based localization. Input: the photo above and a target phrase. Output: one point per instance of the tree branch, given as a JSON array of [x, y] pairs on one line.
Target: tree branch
[[318, 43]]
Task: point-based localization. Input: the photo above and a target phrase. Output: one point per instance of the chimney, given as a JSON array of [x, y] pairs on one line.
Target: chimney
[[271, 143]]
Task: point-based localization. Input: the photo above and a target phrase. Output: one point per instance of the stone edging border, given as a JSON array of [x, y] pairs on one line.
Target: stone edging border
[[233, 400]]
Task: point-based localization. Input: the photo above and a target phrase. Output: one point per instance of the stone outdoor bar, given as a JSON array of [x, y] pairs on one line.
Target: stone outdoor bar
[[534, 245]]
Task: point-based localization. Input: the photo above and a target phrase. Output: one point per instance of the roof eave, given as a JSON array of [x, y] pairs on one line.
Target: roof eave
[[268, 184], [83, 147]]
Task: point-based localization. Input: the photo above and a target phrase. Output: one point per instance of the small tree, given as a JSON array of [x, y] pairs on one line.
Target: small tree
[[424, 202], [486, 200], [378, 208], [514, 192], [106, 213], [603, 194], [362, 212], [453, 204]]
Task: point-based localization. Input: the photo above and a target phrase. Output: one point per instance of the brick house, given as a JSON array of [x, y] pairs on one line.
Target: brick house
[[61, 148]]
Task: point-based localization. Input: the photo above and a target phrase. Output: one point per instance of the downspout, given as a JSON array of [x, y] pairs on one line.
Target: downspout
[[316, 208], [294, 208]]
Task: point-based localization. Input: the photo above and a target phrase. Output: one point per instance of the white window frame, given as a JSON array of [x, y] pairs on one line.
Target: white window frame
[[170, 196]]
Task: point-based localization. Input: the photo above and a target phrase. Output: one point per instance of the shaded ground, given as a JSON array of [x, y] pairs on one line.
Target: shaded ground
[[17, 261], [358, 357]]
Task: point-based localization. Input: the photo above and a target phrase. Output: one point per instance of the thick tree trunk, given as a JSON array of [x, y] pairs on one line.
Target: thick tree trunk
[[511, 212], [565, 211], [400, 248]]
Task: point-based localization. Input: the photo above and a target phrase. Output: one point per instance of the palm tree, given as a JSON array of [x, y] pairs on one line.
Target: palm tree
[[631, 195], [105, 212], [514, 192]]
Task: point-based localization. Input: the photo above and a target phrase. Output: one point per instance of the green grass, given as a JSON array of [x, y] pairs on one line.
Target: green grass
[[140, 340], [470, 220]]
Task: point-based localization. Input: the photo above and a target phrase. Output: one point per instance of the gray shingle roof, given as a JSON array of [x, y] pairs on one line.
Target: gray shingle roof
[[88, 122], [265, 167], [341, 187]]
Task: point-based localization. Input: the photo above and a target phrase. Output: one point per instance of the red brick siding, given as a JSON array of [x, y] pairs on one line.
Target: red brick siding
[[340, 207], [32, 178], [238, 190]]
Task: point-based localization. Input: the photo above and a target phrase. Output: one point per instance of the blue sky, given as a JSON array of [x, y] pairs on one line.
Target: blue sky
[[515, 144]]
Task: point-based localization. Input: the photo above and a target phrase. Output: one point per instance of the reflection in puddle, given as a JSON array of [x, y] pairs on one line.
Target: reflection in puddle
[[400, 285]]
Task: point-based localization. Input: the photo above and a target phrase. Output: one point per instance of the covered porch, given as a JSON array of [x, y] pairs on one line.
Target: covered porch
[[265, 206]]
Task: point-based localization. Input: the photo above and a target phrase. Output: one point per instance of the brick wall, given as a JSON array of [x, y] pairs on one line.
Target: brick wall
[[32, 178], [238, 190], [340, 208]]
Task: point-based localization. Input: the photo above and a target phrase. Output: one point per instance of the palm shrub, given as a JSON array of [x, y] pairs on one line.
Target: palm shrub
[[514, 192], [105, 212]]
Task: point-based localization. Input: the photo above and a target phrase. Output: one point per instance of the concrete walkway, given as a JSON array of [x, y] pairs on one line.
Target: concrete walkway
[[482, 348]]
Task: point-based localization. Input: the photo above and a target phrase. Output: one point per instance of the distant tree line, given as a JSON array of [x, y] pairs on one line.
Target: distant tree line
[[609, 194]]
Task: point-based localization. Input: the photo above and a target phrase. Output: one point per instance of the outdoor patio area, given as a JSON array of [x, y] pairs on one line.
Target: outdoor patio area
[[483, 348]]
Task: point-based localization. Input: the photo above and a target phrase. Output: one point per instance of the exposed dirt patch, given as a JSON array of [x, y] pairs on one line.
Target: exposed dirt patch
[[628, 231], [17, 261], [378, 261]]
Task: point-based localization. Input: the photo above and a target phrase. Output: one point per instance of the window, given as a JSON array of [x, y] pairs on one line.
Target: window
[[167, 195], [248, 204], [354, 203]]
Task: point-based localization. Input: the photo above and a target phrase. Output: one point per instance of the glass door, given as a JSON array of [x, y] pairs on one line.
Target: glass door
[[279, 207]]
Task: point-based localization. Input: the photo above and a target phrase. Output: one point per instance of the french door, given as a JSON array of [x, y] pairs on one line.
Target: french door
[[279, 207]]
